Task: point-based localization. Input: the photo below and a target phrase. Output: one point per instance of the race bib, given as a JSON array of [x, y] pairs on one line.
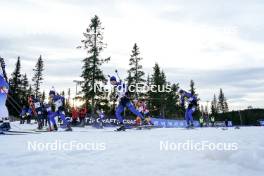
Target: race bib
[[146, 111], [49, 109], [190, 99], [140, 109], [37, 105], [58, 103]]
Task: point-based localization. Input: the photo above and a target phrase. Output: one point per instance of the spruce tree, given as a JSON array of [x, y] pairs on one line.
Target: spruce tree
[[226, 108], [3, 65], [16, 79], [157, 97], [221, 101], [171, 103], [129, 79], [15, 99], [24, 88], [69, 92], [214, 107], [193, 89], [38, 76], [146, 92], [43, 96], [92, 73], [135, 72], [30, 90], [148, 80]]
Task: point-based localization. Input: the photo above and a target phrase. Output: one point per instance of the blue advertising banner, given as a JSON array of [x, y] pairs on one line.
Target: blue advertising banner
[[261, 122], [167, 123], [158, 122]]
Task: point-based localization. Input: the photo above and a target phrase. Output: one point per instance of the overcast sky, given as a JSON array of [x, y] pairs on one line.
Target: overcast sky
[[219, 44]]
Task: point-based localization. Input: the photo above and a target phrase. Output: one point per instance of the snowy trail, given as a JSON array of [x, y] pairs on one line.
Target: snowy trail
[[135, 152]]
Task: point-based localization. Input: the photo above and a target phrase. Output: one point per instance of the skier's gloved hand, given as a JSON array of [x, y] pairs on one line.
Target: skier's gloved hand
[[182, 104], [145, 122], [116, 98]]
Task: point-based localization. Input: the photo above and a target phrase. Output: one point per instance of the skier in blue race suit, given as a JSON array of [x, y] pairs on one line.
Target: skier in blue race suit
[[39, 108], [124, 101], [58, 102], [24, 114], [4, 122], [192, 104]]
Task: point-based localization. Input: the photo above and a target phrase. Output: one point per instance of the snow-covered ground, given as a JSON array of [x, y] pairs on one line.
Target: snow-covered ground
[[134, 152]]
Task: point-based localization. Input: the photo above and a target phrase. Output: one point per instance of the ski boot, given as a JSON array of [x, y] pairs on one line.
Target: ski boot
[[68, 128], [40, 125], [145, 122], [52, 128], [4, 125], [190, 126], [121, 128], [101, 125], [55, 127]]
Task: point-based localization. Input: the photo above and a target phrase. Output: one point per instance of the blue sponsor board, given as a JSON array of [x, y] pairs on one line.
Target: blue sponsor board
[[167, 123], [107, 122], [261, 122], [222, 124], [158, 122]]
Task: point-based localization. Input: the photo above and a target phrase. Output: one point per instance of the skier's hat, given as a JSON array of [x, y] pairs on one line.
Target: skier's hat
[[112, 78], [52, 91], [181, 91]]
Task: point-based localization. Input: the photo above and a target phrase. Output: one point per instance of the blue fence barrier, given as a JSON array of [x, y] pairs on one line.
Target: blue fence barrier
[[158, 122], [261, 122], [167, 123]]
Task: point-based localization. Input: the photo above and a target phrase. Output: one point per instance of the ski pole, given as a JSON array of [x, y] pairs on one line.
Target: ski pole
[[11, 98], [2, 62], [12, 103], [117, 74]]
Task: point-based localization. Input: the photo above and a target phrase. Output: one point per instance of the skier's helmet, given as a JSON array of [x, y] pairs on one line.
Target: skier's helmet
[[112, 78], [181, 92], [52, 92]]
